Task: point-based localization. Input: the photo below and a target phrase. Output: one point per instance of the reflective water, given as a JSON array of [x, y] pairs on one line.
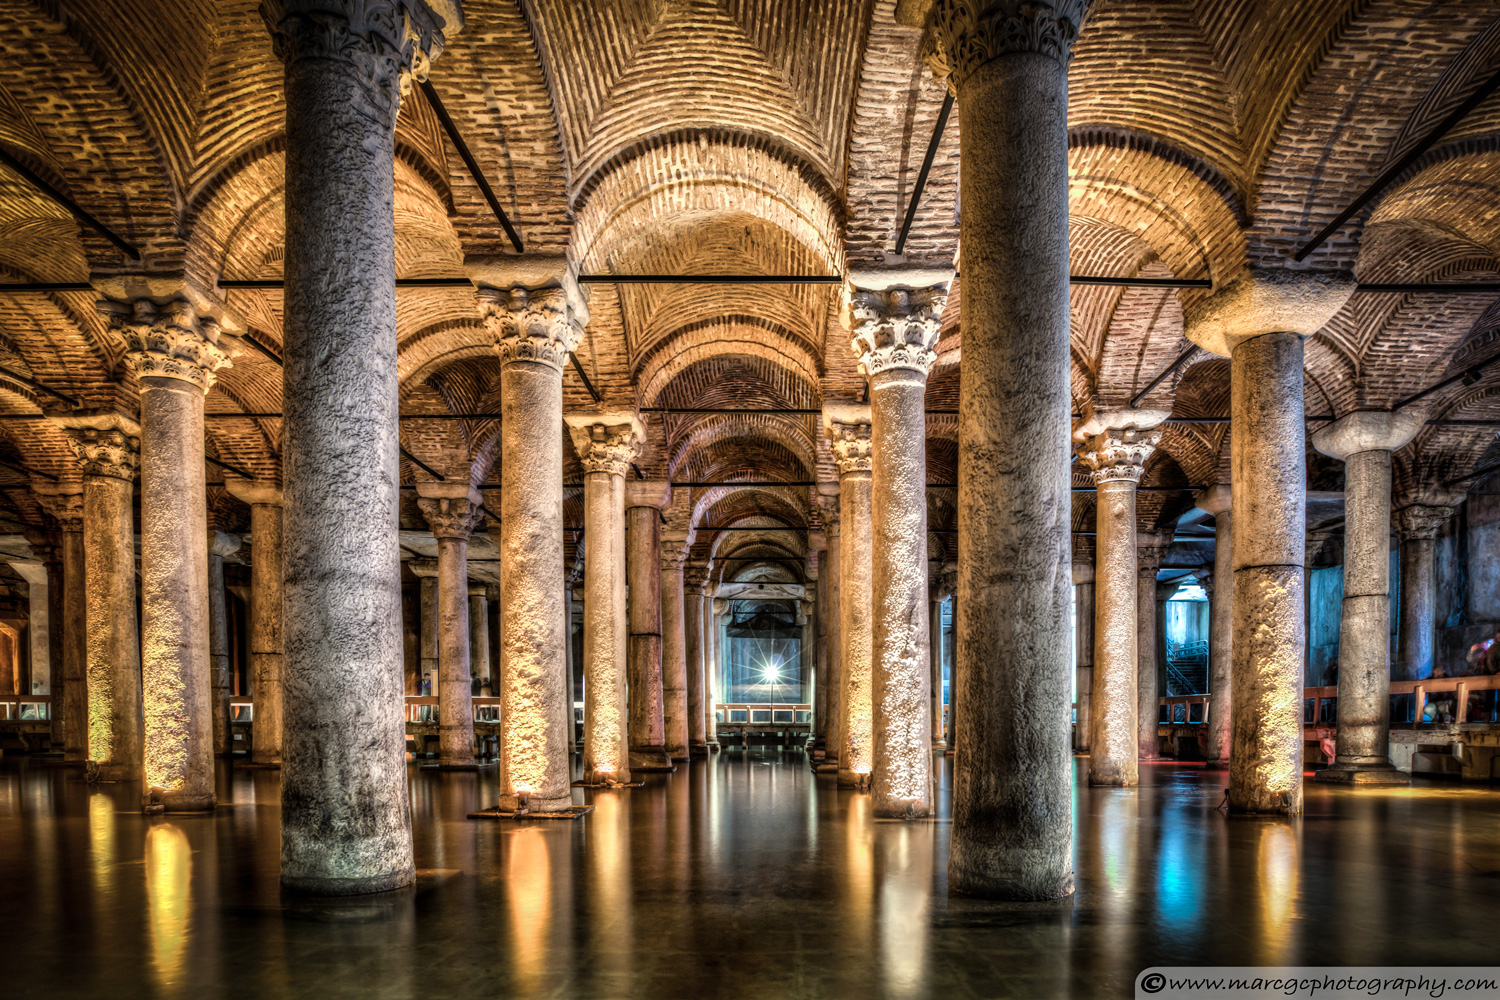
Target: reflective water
[[743, 877]]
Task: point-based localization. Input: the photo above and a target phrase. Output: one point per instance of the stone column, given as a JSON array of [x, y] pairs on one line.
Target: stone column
[[267, 618], [173, 350], [935, 660], [345, 816], [72, 696], [647, 723], [674, 671], [1218, 501], [452, 512], [1258, 320], [833, 679], [896, 318], [1150, 550], [1006, 61], [536, 320], [817, 545], [607, 444], [1115, 446], [108, 445], [219, 546], [848, 429], [713, 668], [479, 638], [1417, 525], [426, 572], [693, 628], [1364, 442], [1083, 641]]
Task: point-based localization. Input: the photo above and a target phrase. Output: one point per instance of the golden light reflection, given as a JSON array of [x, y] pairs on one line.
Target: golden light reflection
[[609, 880], [905, 898], [1277, 863], [859, 885], [529, 874], [169, 869], [101, 843]]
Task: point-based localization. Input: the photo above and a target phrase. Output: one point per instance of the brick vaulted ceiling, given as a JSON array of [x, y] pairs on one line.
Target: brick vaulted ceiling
[[766, 136]]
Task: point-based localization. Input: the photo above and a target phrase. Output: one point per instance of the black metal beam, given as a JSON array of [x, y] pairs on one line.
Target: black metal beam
[[1182, 359], [754, 482], [78, 213], [414, 460], [781, 527], [921, 185], [25, 471], [463, 151], [1483, 470], [1469, 375], [217, 463], [1091, 279], [1396, 169], [46, 286], [1446, 287], [262, 348], [577, 367], [710, 279], [33, 383]]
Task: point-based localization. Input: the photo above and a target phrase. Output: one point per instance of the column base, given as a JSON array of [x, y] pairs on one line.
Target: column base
[[1362, 774], [1216, 765], [939, 746], [259, 765], [651, 760], [698, 749], [607, 779], [1109, 774], [108, 772], [500, 812], [714, 747], [858, 781], [349, 886], [159, 800]]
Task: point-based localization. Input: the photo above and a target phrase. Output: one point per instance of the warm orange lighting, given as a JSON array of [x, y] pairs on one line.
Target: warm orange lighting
[[530, 893], [169, 869]]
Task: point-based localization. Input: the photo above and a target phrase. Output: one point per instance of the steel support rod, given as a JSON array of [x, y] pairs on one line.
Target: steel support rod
[[431, 94], [921, 185]]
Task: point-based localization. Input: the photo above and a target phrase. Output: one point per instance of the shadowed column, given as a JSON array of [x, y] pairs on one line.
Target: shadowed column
[[848, 428], [1218, 501], [452, 512], [832, 611], [219, 546], [1417, 525], [1150, 550], [674, 679], [1083, 641], [647, 724], [72, 693], [267, 618], [693, 616]]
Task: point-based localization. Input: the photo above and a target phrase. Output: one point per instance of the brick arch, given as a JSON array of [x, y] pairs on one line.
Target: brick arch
[[790, 499], [716, 431], [674, 361]]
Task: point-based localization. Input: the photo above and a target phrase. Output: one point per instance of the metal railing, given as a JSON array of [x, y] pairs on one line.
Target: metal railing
[[25, 707]]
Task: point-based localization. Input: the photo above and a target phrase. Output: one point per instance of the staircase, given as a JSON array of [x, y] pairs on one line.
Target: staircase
[[1187, 667]]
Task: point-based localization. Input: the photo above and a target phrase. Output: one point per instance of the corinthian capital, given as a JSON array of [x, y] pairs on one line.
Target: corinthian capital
[[848, 428], [452, 510], [896, 327], [107, 443], [963, 35], [1151, 549], [530, 325], [606, 442], [168, 341], [66, 509], [1421, 520], [387, 43], [1115, 445]]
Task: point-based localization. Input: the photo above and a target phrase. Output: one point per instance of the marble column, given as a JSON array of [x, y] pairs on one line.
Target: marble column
[[1150, 550], [693, 621], [1083, 641], [1418, 523], [267, 618], [108, 446], [452, 512], [220, 545], [172, 346], [72, 695], [345, 810], [607, 444], [832, 681], [426, 572], [536, 321], [1364, 441], [647, 722], [674, 674], [896, 316], [848, 428], [713, 668], [1218, 501], [1258, 319], [1006, 61], [1115, 446], [479, 638]]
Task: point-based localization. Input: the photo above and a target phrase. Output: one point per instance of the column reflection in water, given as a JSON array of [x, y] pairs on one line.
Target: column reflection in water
[[906, 856], [859, 887], [613, 940], [102, 850], [1115, 828], [529, 888], [1181, 864], [169, 873], [1278, 869]]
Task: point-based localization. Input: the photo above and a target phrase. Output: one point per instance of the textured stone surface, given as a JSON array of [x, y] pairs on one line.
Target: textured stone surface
[[674, 679], [267, 618], [66, 509], [479, 640], [452, 512], [1150, 549], [647, 720], [219, 546], [849, 433], [1113, 743], [1418, 525], [693, 620], [833, 611], [1083, 648], [1218, 500]]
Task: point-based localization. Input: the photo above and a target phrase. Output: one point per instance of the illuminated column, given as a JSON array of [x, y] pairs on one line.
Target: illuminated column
[[1219, 501], [267, 616], [1258, 320], [479, 638], [67, 508], [174, 352], [1115, 447], [452, 512], [534, 329], [647, 724], [693, 627], [1150, 550], [345, 810], [1364, 442], [1006, 62], [713, 669], [606, 443], [1417, 525], [817, 546], [674, 673], [848, 429], [1083, 640], [219, 546], [896, 316], [832, 610], [426, 572]]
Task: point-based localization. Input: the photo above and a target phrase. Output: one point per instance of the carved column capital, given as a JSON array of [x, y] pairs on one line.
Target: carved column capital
[[450, 512], [828, 506], [693, 579], [168, 341], [606, 443], [1421, 521], [1151, 549], [64, 508], [721, 606], [113, 451], [848, 428], [963, 35], [387, 43], [1116, 450], [536, 325], [896, 327]]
